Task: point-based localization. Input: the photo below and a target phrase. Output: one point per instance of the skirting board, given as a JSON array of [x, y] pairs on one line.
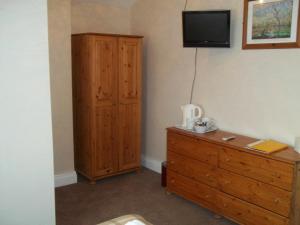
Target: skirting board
[[151, 164], [65, 179]]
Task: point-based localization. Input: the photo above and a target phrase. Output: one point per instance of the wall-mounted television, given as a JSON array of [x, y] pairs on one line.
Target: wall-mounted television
[[206, 28]]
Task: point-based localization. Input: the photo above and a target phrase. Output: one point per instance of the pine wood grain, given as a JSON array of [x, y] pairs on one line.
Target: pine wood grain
[[194, 169], [190, 147], [273, 172], [82, 103], [258, 193], [130, 83], [129, 136], [105, 151], [105, 73], [295, 208], [246, 213], [190, 189]]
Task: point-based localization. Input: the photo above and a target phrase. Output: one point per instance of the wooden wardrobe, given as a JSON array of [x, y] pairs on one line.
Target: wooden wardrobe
[[107, 103]]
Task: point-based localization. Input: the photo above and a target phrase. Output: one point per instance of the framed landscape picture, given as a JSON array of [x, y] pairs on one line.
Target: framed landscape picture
[[271, 24]]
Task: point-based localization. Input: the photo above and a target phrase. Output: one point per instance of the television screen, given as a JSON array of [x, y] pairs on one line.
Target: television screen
[[206, 28]]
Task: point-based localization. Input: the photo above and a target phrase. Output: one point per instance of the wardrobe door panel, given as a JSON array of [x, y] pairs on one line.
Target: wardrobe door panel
[[105, 152], [106, 58], [129, 70], [129, 102], [129, 136], [105, 104]]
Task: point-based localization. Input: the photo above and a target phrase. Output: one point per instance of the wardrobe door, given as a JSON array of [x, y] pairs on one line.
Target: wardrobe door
[[129, 138], [105, 99], [129, 102]]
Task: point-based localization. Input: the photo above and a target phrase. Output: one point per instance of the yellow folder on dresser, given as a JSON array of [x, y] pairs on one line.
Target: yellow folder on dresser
[[267, 146]]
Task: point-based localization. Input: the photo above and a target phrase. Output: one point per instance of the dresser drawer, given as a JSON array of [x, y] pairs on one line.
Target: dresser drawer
[[193, 148], [269, 171], [265, 195], [194, 169], [191, 189], [246, 213]]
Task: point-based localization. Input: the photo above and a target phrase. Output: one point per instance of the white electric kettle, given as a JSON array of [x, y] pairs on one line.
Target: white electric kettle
[[190, 113]]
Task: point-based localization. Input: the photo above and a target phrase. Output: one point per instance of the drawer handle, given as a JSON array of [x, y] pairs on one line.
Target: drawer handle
[[277, 200], [172, 181], [227, 160], [225, 205], [207, 196], [172, 162], [208, 175]]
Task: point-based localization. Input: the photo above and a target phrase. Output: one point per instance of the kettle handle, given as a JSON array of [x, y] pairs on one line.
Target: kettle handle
[[199, 110]]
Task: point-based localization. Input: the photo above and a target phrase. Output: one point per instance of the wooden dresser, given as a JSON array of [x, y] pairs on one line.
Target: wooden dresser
[[107, 103], [245, 186]]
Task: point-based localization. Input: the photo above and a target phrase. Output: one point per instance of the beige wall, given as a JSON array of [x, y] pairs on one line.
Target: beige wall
[[59, 12], [251, 92], [100, 16], [26, 150]]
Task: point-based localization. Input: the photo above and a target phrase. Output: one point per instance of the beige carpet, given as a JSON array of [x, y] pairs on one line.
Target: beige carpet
[[135, 193]]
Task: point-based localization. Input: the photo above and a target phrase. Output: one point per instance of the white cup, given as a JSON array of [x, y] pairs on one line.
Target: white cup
[[210, 123], [200, 129], [297, 144]]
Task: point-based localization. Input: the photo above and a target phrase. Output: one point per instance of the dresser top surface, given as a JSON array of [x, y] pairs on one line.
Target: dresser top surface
[[240, 142], [111, 35]]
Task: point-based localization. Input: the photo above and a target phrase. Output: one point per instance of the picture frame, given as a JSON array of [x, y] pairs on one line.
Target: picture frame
[[271, 24]]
